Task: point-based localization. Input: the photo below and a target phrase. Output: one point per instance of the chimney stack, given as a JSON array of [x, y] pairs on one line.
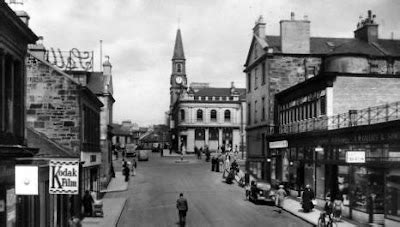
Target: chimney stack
[[38, 50], [259, 28], [295, 36], [367, 29], [107, 67]]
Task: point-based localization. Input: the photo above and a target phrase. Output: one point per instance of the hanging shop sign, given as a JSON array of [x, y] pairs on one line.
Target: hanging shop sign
[[26, 180], [355, 156], [279, 144], [64, 176]]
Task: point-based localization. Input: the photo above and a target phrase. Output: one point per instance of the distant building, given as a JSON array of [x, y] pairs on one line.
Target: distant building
[[200, 115]]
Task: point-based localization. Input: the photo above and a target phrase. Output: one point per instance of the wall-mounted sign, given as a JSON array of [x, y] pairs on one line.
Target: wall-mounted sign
[[26, 180], [64, 176], [355, 156], [279, 144]]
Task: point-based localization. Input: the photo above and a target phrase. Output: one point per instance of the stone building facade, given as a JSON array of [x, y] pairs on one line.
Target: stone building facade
[[15, 35], [345, 103], [201, 115], [67, 113]]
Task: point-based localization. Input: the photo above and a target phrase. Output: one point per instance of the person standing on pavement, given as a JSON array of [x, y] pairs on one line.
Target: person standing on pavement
[[134, 165], [126, 171], [88, 204], [280, 197], [307, 197], [182, 206]]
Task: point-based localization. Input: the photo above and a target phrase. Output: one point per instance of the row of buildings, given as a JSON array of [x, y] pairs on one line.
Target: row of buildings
[[49, 112], [324, 111]]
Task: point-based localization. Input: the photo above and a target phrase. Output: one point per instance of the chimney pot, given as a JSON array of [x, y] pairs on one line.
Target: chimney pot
[[292, 15]]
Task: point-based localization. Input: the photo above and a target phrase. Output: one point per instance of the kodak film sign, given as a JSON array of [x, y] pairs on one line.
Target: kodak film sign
[[64, 176]]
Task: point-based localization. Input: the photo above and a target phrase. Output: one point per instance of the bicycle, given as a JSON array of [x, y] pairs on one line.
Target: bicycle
[[322, 220]]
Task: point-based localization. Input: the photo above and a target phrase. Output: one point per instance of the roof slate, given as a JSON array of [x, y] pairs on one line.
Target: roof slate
[[213, 91], [328, 45], [47, 147]]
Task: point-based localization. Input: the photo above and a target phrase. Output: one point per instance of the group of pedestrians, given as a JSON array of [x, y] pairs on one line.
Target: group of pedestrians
[[129, 168]]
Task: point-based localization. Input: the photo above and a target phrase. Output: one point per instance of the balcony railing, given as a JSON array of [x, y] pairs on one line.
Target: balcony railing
[[368, 116]]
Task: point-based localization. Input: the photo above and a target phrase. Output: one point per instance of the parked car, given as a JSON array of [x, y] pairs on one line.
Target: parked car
[[261, 192], [143, 155], [131, 150]]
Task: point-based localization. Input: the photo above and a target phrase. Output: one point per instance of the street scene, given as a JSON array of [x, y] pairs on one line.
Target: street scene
[[199, 113]]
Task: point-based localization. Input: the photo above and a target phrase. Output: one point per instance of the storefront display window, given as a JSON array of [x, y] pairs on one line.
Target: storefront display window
[[10, 207], [320, 190], [369, 190], [393, 194], [343, 183]]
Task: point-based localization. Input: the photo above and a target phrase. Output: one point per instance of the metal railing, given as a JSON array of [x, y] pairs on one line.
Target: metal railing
[[368, 116]]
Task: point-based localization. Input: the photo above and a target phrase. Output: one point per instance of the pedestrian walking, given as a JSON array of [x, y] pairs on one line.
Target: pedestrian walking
[[227, 165], [88, 201], [200, 151], [182, 206], [307, 197], [74, 222], [337, 208], [280, 197], [126, 173], [134, 165]]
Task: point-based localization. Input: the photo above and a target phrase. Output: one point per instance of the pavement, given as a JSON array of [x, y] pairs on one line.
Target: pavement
[[293, 206], [112, 207]]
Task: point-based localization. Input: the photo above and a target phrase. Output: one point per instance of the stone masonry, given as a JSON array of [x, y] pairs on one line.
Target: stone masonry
[[53, 103]]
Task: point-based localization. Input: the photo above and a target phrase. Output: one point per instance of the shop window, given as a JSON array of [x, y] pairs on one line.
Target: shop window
[[213, 115], [343, 183], [199, 134], [213, 134], [392, 200], [199, 115]]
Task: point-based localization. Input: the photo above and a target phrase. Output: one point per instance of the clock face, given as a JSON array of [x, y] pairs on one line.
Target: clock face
[[178, 80]]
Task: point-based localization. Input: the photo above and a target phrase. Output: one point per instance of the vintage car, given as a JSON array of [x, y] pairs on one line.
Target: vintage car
[[260, 192], [131, 150]]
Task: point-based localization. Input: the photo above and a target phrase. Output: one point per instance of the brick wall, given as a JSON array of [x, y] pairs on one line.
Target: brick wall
[[363, 92], [53, 104]]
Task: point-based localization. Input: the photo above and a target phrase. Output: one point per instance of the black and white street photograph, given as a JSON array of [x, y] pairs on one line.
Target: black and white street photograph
[[188, 113]]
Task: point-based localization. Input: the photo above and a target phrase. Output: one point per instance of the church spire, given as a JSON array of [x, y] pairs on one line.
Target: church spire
[[178, 50]]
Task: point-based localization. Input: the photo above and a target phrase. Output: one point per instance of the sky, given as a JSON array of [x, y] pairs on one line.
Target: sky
[[139, 37]]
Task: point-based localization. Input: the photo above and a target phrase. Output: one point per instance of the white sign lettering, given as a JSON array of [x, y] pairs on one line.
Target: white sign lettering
[[278, 144], [64, 176], [355, 156]]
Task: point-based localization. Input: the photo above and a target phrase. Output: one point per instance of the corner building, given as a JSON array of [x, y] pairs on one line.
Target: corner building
[[337, 130], [201, 115]]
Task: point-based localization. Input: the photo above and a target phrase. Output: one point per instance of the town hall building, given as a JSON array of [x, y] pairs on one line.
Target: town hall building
[[203, 116]]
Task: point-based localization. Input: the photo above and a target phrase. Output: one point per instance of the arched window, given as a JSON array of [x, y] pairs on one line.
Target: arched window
[[182, 111], [179, 67], [227, 115], [199, 115], [213, 115]]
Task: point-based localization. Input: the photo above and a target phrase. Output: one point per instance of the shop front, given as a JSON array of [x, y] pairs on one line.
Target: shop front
[[361, 165]]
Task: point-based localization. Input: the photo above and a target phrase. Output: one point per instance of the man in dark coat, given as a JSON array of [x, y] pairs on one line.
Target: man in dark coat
[[87, 204], [182, 206], [308, 196]]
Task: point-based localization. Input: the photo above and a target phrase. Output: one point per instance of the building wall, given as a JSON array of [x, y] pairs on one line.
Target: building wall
[[351, 93], [53, 104]]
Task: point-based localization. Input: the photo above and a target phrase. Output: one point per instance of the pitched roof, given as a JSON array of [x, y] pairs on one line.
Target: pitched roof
[[178, 49], [328, 45], [213, 91], [47, 147]]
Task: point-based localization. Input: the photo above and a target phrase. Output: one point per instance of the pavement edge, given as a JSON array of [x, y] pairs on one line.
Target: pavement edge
[[120, 213]]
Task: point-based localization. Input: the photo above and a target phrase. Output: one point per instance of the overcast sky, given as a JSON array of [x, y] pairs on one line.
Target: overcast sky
[[139, 36]]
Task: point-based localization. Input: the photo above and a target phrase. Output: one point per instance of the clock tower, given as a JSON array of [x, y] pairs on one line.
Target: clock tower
[[178, 80]]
